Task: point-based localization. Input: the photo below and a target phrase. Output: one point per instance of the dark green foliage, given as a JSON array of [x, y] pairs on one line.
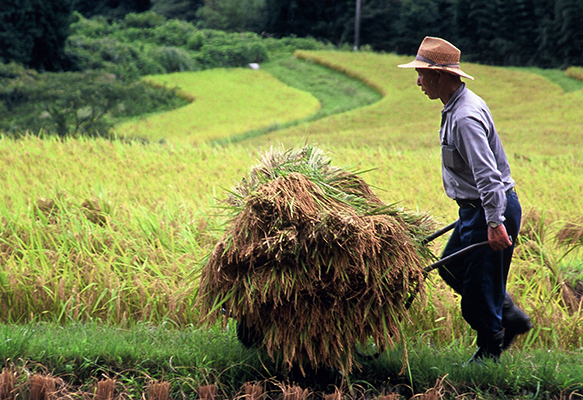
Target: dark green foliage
[[503, 32], [417, 19], [143, 20], [178, 9], [147, 43], [514, 32], [233, 15], [476, 28], [33, 33], [569, 31], [329, 19], [378, 23], [498, 32], [220, 49], [125, 60], [73, 103], [110, 8], [113, 54], [173, 59], [520, 32]]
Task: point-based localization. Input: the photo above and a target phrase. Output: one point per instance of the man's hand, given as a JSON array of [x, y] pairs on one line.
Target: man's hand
[[498, 238]]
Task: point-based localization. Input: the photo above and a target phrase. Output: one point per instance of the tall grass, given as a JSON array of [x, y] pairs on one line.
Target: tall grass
[[62, 260], [336, 91], [105, 230]]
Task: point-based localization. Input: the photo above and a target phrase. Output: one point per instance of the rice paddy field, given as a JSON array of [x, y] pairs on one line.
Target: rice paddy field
[[113, 233], [224, 102]]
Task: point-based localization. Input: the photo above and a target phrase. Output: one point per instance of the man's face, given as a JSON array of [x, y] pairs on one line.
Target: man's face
[[428, 80]]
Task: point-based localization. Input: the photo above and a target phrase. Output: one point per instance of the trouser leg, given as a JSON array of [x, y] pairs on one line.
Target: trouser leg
[[480, 277]]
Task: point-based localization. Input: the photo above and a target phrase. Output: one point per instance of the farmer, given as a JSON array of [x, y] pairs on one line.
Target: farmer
[[476, 174]]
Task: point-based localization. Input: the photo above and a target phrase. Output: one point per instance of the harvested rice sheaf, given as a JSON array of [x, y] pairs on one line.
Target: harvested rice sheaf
[[313, 262]]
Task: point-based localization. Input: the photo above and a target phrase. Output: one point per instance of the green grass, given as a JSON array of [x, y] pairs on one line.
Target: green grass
[[559, 77], [335, 91], [226, 102], [189, 358]]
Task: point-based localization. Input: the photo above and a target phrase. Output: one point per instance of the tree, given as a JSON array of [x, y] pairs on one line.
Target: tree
[[33, 33], [545, 40], [417, 19], [328, 20], [178, 9], [113, 9], [476, 20], [377, 23], [569, 31], [233, 15], [73, 103]]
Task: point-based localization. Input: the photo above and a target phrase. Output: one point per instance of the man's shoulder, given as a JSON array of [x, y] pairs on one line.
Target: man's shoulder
[[471, 98], [470, 103]]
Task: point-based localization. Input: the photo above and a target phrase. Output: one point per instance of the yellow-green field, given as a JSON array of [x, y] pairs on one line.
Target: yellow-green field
[[158, 202], [225, 102]]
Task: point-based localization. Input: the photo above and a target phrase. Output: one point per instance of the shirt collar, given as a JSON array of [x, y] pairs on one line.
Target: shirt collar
[[454, 97]]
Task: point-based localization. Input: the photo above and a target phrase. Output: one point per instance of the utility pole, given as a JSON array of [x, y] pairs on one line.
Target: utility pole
[[357, 26]]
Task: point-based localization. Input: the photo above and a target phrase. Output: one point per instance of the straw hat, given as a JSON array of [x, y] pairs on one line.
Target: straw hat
[[436, 53]]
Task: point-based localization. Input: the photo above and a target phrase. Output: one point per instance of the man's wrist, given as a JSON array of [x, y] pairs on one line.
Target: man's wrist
[[494, 225]]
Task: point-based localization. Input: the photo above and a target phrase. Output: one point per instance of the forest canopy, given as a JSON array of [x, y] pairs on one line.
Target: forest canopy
[[543, 33]]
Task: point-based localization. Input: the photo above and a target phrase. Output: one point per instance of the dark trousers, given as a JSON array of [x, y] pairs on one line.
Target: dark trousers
[[480, 277]]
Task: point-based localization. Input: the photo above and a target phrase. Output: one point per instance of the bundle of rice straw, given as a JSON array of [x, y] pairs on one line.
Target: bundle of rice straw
[[313, 262]]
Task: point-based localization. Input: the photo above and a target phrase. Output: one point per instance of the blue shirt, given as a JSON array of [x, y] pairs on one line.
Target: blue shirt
[[474, 164]]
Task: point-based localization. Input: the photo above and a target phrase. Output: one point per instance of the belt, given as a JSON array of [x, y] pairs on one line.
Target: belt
[[475, 203]]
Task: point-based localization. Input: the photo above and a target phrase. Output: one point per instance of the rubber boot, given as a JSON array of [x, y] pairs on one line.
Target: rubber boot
[[489, 347], [514, 321]]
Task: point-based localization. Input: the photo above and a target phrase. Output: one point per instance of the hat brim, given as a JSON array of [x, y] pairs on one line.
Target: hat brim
[[421, 64]]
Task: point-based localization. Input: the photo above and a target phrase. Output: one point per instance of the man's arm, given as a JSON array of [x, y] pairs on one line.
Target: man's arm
[[482, 162]]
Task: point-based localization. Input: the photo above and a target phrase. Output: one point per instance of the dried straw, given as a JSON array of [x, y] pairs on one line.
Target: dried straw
[[313, 261]]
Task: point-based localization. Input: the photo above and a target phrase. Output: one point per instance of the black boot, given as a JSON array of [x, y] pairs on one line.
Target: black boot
[[489, 347], [514, 321]]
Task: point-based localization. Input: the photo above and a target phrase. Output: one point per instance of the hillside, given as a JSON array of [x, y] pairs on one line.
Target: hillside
[[225, 102]]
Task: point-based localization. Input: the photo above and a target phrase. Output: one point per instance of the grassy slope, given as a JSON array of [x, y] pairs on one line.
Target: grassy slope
[[405, 119], [336, 92], [226, 102]]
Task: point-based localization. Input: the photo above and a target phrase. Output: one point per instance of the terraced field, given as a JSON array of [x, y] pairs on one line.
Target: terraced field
[[113, 233]]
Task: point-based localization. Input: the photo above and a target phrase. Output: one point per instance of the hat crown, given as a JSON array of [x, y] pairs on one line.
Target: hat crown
[[436, 53], [439, 51]]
